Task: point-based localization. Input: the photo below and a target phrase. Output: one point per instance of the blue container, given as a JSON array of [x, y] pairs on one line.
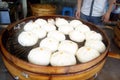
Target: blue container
[[4, 17], [67, 11]]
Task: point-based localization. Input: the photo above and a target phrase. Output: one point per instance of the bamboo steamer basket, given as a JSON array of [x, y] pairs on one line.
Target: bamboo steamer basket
[[22, 69], [43, 9], [117, 34]]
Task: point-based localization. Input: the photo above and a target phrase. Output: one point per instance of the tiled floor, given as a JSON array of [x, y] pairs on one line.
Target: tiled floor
[[110, 71]]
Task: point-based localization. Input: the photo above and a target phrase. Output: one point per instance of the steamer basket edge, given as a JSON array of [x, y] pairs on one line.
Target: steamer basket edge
[[48, 69]]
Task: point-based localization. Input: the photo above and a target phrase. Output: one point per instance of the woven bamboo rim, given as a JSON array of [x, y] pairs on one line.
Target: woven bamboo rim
[[43, 9], [117, 34], [50, 69]]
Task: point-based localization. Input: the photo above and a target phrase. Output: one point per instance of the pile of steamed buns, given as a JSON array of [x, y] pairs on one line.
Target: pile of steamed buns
[[54, 48]]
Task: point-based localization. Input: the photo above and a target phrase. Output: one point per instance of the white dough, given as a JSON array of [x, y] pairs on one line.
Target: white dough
[[41, 33], [39, 56], [85, 54], [75, 23], [76, 36], [48, 27], [51, 21], [56, 35], [66, 29], [40, 21], [27, 38], [61, 58], [92, 35], [30, 26], [82, 28], [50, 43], [60, 21], [96, 44], [68, 46]]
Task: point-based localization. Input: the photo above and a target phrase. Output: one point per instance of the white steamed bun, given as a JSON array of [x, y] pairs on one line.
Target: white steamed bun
[[92, 35], [75, 23], [76, 36], [96, 44], [48, 27], [27, 38], [30, 26], [85, 54], [41, 33], [39, 56], [82, 28], [61, 58], [51, 21], [66, 29], [68, 46], [50, 43], [56, 35], [60, 21], [40, 21]]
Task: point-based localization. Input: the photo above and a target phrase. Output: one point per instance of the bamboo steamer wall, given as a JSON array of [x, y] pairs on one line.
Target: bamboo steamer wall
[[43, 9], [24, 70], [117, 34], [26, 75]]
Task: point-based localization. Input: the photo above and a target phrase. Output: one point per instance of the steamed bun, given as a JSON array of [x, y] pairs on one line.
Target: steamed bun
[[40, 21], [39, 56], [27, 38], [60, 21], [30, 26], [82, 28], [56, 35], [85, 54], [61, 58], [92, 35], [76, 36], [96, 44], [41, 33], [50, 43], [51, 21], [48, 27], [75, 23], [68, 46], [66, 29]]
